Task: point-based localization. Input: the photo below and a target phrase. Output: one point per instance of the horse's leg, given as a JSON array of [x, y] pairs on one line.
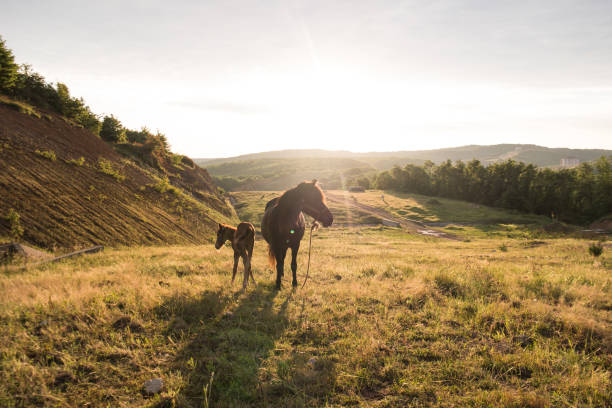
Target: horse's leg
[[280, 265], [236, 256], [294, 252]]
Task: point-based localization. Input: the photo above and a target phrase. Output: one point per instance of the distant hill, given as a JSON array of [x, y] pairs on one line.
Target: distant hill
[[71, 189], [281, 169]]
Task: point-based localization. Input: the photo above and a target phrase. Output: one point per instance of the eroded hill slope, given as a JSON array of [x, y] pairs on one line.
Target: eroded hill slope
[[72, 189]]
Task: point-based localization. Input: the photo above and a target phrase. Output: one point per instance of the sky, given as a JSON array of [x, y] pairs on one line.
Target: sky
[[223, 78]]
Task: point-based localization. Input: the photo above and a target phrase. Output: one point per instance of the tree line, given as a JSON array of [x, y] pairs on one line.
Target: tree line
[[21, 83], [578, 195]]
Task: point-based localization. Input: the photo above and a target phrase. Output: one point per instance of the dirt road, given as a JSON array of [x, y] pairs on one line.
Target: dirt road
[[410, 225]]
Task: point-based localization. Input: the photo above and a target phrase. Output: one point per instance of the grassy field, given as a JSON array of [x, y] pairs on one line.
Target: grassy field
[[459, 218], [386, 319], [428, 209]]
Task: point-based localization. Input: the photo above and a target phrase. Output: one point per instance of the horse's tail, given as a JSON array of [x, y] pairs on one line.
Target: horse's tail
[[271, 257]]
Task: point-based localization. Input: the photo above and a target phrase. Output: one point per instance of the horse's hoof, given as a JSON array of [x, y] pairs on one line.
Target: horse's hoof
[[294, 284]]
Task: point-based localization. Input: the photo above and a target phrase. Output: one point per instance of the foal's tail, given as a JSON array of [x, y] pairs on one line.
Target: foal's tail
[[271, 257]]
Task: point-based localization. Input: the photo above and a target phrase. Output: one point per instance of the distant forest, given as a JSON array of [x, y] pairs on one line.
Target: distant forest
[[578, 195]]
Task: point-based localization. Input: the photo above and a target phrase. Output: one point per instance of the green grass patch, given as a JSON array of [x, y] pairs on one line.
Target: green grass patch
[[47, 154], [19, 106], [76, 162], [106, 167]]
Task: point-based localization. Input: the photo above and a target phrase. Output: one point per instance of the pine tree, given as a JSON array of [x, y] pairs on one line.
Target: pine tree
[[8, 68]]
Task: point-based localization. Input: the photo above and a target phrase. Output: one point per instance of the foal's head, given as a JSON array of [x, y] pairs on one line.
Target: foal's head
[[223, 234], [313, 202]]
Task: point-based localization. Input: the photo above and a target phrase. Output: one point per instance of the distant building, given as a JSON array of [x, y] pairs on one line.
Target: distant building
[[568, 162]]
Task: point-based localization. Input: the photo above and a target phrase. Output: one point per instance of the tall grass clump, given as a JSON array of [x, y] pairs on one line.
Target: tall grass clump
[[77, 162], [449, 285], [106, 167], [47, 154], [596, 249]]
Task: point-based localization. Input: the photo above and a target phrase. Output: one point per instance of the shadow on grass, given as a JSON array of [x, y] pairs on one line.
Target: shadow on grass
[[230, 335]]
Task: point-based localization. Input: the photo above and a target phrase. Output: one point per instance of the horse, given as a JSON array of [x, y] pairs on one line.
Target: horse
[[243, 241], [282, 225]]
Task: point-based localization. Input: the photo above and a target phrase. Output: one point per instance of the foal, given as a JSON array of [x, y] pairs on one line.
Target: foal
[[243, 240]]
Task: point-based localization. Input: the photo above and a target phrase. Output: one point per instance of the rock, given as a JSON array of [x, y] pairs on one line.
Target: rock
[[338, 277], [153, 386]]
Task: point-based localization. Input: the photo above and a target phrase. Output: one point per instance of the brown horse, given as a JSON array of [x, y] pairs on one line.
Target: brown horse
[[243, 240], [282, 225]]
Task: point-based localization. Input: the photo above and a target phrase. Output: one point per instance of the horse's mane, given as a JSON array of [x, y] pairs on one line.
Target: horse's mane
[[227, 226], [291, 193]]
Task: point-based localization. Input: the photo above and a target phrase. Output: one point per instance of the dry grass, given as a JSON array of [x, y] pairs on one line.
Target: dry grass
[[386, 320]]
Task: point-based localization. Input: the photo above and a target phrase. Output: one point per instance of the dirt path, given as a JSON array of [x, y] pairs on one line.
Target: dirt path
[[412, 226]]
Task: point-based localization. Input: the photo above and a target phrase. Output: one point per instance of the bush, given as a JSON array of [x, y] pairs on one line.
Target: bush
[[77, 162], [14, 220], [106, 167], [112, 130], [596, 249], [47, 154]]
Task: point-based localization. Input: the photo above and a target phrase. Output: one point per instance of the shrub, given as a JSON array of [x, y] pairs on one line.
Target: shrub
[[77, 162], [163, 185], [106, 167], [596, 249], [112, 130], [47, 154], [14, 220]]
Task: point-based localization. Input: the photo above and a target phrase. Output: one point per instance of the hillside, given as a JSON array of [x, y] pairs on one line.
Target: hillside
[[72, 189], [281, 169]]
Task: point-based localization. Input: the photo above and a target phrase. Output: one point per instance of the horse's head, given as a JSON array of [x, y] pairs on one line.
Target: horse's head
[[220, 236], [313, 202]]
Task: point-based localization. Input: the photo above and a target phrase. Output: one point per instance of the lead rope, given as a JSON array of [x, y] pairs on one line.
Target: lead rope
[[314, 226]]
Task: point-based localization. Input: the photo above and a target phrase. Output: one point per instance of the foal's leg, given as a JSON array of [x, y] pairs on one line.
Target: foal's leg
[[294, 252], [280, 265], [236, 256], [250, 255], [247, 268]]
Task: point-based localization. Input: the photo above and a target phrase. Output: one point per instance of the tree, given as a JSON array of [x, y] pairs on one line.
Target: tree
[[8, 68], [112, 130], [14, 221], [364, 182]]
